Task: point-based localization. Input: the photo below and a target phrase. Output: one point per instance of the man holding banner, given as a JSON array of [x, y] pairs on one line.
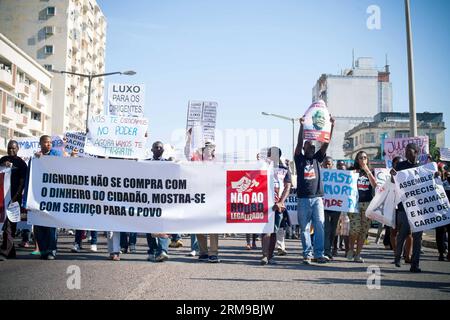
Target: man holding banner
[[310, 189], [418, 192]]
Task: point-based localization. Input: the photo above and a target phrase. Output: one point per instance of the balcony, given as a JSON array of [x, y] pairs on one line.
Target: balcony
[[6, 78], [21, 120], [22, 87], [9, 114]]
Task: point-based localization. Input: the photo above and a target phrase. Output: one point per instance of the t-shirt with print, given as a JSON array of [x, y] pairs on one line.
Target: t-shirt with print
[[309, 181], [365, 190], [281, 175]]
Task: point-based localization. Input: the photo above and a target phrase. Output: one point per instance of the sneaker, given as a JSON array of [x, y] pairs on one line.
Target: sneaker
[[93, 247], [350, 255], [162, 257], [358, 259], [50, 257], [282, 252], [124, 250], [70, 232], [3, 258], [264, 261], [329, 257], [254, 246], [214, 259], [272, 261], [307, 261], [151, 257], [203, 258], [415, 270], [321, 260], [75, 248], [115, 257], [248, 247], [193, 253], [133, 248], [397, 264]]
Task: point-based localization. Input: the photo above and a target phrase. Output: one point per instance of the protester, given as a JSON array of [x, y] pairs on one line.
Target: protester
[[158, 245], [359, 223], [310, 193], [331, 218], [128, 242], [441, 231], [282, 186], [18, 176], [403, 227], [46, 236]]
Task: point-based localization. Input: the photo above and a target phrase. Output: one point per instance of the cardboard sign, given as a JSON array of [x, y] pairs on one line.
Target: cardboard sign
[[317, 124], [126, 100], [340, 189], [396, 147]]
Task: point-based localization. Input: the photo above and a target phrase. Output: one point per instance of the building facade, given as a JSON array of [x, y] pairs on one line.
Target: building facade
[[369, 136], [64, 35], [353, 97], [25, 95]]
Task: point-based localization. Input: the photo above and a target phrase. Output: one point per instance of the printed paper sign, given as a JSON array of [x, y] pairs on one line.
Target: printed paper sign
[[151, 196], [119, 137], [126, 100], [247, 199], [13, 212], [423, 197], [396, 147], [340, 190], [203, 114], [317, 124]]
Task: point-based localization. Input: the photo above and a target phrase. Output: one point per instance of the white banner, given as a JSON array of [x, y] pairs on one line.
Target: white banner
[[150, 197], [382, 207], [445, 154], [120, 137], [423, 197], [317, 124], [126, 100], [396, 147], [340, 189], [30, 145], [5, 191]]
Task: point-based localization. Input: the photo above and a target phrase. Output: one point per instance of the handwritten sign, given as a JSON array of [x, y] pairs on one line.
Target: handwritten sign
[[120, 137], [396, 147], [340, 190]]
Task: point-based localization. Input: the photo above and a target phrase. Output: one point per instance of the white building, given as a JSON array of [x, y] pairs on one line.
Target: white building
[[354, 97], [25, 95], [66, 35]]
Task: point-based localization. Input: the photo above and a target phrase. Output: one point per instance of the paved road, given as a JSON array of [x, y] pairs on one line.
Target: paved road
[[239, 276]]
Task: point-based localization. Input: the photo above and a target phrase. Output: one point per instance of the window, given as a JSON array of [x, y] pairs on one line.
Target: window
[[51, 11], [35, 116], [48, 49], [48, 67], [356, 141], [370, 137], [402, 134]]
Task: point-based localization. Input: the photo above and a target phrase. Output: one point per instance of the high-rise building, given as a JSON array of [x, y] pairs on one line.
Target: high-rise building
[[353, 97], [65, 35], [25, 95]]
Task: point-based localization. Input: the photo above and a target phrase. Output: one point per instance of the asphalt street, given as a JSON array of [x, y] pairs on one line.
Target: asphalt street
[[238, 276]]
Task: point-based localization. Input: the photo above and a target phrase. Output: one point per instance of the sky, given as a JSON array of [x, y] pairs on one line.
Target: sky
[[256, 55]]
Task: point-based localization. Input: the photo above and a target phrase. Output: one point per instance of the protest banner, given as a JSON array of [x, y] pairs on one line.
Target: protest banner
[[5, 191], [396, 147], [30, 145], [340, 189], [75, 140], [150, 197], [126, 100], [317, 124], [444, 154], [204, 115], [382, 207], [120, 137], [291, 206], [423, 197]]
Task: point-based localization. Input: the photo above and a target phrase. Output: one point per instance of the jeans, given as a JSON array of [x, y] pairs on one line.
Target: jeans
[[403, 231], [156, 246], [78, 237], [125, 242], [310, 210], [46, 238], [194, 243], [331, 221]]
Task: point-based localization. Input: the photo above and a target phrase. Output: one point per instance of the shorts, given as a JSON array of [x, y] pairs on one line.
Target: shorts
[[359, 223]]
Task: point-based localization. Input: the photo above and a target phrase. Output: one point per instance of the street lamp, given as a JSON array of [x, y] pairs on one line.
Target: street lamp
[[90, 78], [411, 80], [292, 120]]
